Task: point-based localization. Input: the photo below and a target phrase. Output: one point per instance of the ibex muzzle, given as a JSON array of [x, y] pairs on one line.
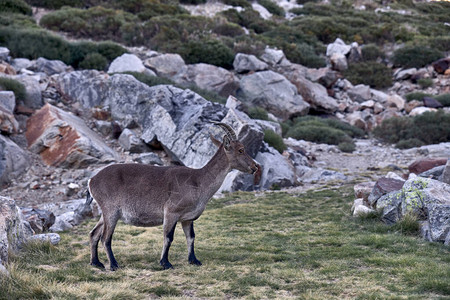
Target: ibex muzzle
[[144, 195]]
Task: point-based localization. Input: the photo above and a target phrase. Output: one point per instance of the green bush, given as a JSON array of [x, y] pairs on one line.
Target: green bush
[[409, 143], [94, 61], [241, 3], [416, 96], [208, 51], [371, 52], [424, 129], [228, 29], [274, 140], [150, 80], [318, 134], [425, 82], [192, 1], [303, 54], [347, 147], [444, 99], [15, 6], [272, 7], [7, 84], [370, 73], [415, 56], [17, 20], [55, 4], [258, 113]]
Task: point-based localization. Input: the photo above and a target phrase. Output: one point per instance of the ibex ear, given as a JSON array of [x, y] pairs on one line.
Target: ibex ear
[[226, 143], [215, 141]]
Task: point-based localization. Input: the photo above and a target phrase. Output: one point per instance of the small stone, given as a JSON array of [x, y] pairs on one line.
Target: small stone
[[52, 238]]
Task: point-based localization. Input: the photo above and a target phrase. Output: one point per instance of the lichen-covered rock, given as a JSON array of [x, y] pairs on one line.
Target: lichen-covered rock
[[390, 204], [439, 220], [383, 186], [64, 140]]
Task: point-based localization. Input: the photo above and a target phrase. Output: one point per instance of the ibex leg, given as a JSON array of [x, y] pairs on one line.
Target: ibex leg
[[169, 230], [94, 238], [188, 228], [108, 230]]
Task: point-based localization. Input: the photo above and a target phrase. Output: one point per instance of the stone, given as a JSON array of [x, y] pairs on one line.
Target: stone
[[14, 230], [130, 142], [149, 158], [244, 63], [7, 101], [13, 160], [439, 220], [208, 77], [367, 104], [378, 108], [404, 74], [446, 173], [313, 93], [379, 96], [237, 181], [269, 125], [434, 173], [277, 171], [383, 186], [273, 92], [362, 210], [126, 63], [7, 69], [4, 53], [338, 62], [363, 190], [393, 175], [320, 175], [355, 54], [356, 119], [409, 106], [64, 140], [33, 98], [272, 56], [21, 63], [338, 46], [52, 238], [49, 67], [8, 123], [104, 127], [425, 164], [165, 65], [390, 204], [396, 101], [431, 102], [40, 220], [325, 76], [441, 65], [359, 93], [300, 162]]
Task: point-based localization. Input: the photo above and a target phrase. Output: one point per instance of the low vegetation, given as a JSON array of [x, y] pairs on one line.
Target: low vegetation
[[274, 140], [7, 84], [371, 73], [310, 247], [407, 132]]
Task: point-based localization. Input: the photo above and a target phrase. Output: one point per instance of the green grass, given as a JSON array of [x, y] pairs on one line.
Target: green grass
[[279, 245]]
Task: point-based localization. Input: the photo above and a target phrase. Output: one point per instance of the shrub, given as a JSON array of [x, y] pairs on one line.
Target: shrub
[[272, 7], [415, 56], [371, 52], [409, 143], [424, 129], [150, 80], [347, 147], [416, 96], [7, 84], [425, 82], [303, 54], [228, 29], [259, 113], [17, 20], [370, 73], [15, 6], [241, 3], [408, 225], [94, 61], [55, 4], [274, 140], [208, 51], [444, 99]]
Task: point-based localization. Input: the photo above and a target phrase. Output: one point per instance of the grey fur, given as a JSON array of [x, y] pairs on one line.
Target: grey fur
[[144, 195]]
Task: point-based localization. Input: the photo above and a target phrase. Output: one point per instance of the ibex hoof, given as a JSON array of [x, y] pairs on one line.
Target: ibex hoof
[[114, 267], [195, 262], [97, 264], [166, 265]]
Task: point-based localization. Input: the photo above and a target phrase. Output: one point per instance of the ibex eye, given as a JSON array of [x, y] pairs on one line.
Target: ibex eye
[[241, 150]]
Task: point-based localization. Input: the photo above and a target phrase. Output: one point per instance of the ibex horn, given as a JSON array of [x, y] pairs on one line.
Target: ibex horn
[[229, 131]]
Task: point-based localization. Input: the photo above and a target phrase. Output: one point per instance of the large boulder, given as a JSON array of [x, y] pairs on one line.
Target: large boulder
[[127, 63], [360, 93], [244, 63], [339, 47], [272, 56], [33, 98], [424, 164], [273, 92], [14, 230], [442, 65], [383, 186], [64, 140], [165, 65], [8, 123], [49, 67], [208, 77], [13, 160]]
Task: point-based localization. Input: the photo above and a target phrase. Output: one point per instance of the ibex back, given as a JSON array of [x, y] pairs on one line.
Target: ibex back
[[144, 195]]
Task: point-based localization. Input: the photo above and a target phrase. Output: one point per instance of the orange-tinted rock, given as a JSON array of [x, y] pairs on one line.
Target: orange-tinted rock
[[425, 164], [63, 139]]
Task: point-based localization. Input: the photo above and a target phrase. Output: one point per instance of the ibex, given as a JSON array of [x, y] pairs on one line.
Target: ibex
[[144, 195]]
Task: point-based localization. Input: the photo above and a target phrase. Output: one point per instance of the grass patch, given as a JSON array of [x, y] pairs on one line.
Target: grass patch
[[7, 84], [275, 246]]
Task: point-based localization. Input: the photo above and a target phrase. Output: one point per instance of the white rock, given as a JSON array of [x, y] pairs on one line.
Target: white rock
[[127, 63], [420, 110], [52, 238], [339, 47]]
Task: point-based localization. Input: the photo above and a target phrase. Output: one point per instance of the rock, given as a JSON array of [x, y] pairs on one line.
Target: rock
[[21, 63], [52, 238], [383, 186], [425, 231], [273, 92], [4, 53], [390, 204], [13, 160], [49, 67], [277, 171], [360, 93], [165, 65], [33, 98], [104, 127], [313, 93], [8, 123], [338, 62], [363, 190], [325, 76], [7, 69], [14, 231], [63, 222], [300, 163], [404, 74], [396, 101], [393, 175], [7, 101], [339, 47], [434, 173], [126, 63], [446, 173], [269, 125], [379, 96], [130, 142], [356, 119], [208, 77], [315, 175], [425, 164], [361, 209], [409, 106], [63, 139], [237, 181], [431, 102], [247, 130], [439, 220], [355, 54], [149, 158], [40, 220], [367, 104], [244, 63], [272, 56], [441, 65]]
